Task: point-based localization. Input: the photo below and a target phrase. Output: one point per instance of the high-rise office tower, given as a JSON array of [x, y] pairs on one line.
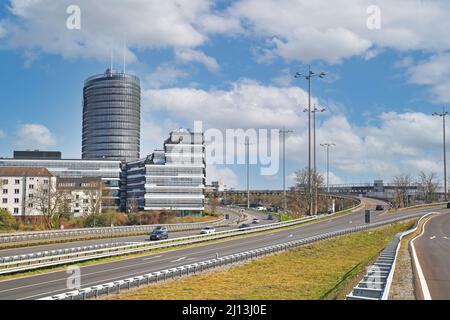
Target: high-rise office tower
[[111, 117]]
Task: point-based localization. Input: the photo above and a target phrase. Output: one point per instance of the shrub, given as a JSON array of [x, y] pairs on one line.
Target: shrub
[[7, 220]]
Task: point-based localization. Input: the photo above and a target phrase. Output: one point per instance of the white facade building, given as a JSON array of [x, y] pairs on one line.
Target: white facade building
[[170, 179], [18, 187]]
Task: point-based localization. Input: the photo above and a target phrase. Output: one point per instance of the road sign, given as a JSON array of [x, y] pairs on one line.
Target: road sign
[[367, 216]]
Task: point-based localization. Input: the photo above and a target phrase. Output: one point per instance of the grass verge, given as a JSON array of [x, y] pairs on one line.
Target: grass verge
[[325, 270]]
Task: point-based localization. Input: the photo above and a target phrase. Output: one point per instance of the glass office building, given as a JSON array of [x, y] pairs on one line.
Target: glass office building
[[170, 179], [111, 117]]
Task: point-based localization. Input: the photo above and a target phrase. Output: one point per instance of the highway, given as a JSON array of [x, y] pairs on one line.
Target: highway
[[433, 253], [126, 239], [38, 286]]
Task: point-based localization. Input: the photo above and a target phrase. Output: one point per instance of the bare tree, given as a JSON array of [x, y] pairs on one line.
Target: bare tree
[[47, 200], [428, 186], [133, 204], [300, 195], [401, 184]]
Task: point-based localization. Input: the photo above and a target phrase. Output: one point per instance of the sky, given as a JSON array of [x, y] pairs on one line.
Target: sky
[[231, 65]]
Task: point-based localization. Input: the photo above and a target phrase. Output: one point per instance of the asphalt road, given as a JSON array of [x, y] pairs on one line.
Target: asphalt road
[[38, 286], [433, 253]]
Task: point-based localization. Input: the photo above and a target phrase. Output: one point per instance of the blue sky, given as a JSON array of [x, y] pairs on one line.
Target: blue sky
[[231, 65]]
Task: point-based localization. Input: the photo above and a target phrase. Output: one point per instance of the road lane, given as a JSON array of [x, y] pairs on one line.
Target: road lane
[[433, 253]]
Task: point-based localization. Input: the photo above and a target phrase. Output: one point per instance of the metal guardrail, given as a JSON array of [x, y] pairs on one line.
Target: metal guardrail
[[55, 234], [68, 258], [185, 270], [58, 252], [376, 284]]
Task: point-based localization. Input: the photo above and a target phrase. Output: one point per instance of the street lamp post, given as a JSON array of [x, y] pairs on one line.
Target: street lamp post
[[314, 111], [308, 77], [328, 145], [284, 132], [443, 115], [247, 161]]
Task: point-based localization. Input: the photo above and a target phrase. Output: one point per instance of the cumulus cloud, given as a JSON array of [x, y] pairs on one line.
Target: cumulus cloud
[[189, 55], [433, 73], [165, 74], [317, 30], [34, 136], [2, 134], [393, 143], [41, 25]]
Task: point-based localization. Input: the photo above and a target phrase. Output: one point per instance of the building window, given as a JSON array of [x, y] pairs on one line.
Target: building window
[[77, 196], [31, 196], [16, 200], [30, 205], [5, 200], [5, 191], [5, 181], [45, 181], [16, 191], [31, 186], [16, 210], [17, 181]]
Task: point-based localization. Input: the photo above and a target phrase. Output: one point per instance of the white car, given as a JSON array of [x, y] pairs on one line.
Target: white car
[[208, 230], [261, 208]]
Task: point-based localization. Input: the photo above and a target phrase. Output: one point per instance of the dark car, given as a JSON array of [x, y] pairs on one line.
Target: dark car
[[379, 207], [448, 205], [159, 235], [244, 226], [270, 217]]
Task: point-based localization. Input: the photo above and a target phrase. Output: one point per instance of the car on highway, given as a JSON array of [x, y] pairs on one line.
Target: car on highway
[[261, 208], [270, 217], [159, 235], [379, 207], [244, 226], [255, 220], [208, 230]]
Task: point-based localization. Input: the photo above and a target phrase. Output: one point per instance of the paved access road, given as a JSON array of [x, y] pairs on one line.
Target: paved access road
[[38, 286], [433, 253]]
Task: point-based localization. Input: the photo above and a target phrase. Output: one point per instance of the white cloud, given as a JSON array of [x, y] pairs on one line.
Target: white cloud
[[258, 106], [226, 175], [41, 25], [189, 55], [317, 30], [434, 73], [391, 144], [2, 134], [34, 136], [165, 74]]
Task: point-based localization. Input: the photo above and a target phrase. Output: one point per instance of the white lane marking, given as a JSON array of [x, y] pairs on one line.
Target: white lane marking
[[423, 282], [446, 238], [182, 258], [291, 235], [152, 258], [433, 237]]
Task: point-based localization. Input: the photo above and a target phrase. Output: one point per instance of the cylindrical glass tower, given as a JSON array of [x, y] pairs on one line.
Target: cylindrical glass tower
[[111, 117]]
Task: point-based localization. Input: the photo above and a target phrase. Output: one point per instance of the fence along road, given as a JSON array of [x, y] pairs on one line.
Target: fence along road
[[39, 286]]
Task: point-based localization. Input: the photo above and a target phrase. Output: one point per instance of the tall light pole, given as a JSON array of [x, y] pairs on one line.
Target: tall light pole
[[314, 111], [328, 145], [308, 77], [284, 132], [443, 115], [247, 161]]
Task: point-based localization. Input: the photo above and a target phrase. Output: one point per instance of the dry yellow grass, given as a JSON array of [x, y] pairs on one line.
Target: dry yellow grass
[[318, 271]]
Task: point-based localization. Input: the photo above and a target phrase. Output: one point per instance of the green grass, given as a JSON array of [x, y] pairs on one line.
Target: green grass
[[325, 270]]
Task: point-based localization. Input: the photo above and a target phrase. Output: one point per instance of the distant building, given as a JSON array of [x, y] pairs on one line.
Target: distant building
[[108, 170], [82, 196], [172, 178], [111, 117], [19, 186], [218, 186], [36, 154]]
